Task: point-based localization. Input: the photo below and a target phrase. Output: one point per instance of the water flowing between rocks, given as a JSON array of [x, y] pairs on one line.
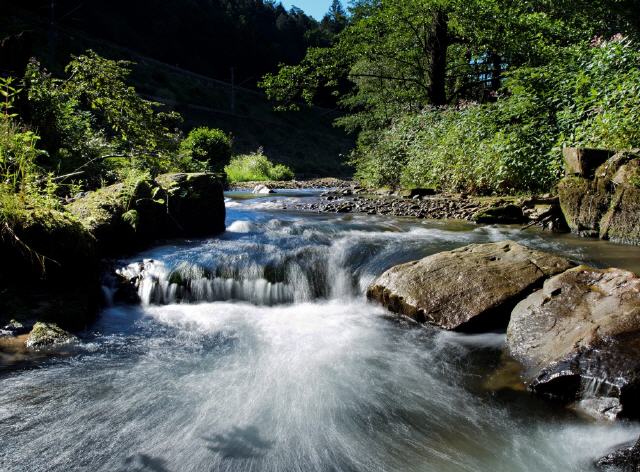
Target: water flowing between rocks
[[257, 351]]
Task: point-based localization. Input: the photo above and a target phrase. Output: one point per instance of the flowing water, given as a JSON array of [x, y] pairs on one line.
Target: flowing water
[[257, 351]]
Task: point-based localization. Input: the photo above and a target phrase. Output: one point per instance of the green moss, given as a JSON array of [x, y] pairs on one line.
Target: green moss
[[48, 334], [571, 191]]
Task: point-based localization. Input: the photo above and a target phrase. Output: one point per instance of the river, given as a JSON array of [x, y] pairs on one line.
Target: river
[[273, 360]]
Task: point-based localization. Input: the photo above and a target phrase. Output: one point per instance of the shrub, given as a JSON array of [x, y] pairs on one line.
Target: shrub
[[256, 167], [207, 148]]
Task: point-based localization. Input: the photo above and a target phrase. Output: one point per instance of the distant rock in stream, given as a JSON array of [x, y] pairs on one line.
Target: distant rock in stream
[[579, 338], [46, 335], [472, 288]]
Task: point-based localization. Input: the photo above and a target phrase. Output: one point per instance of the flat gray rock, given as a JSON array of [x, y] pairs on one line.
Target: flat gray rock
[[472, 288]]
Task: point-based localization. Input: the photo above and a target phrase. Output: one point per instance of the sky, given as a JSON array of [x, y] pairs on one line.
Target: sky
[[315, 8]]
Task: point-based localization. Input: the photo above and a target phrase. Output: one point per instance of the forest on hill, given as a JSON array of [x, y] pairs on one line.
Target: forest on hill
[[479, 96], [205, 36]]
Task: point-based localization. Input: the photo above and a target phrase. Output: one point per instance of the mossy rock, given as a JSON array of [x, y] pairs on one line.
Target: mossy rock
[[607, 206], [195, 203], [46, 335], [582, 206], [122, 217], [47, 244]]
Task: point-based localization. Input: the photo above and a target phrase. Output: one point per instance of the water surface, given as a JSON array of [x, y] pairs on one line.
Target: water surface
[[272, 360]]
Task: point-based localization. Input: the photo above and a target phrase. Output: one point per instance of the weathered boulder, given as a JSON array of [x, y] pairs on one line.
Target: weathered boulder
[[584, 161], [579, 338], [127, 216], [195, 203], [626, 459], [607, 206], [468, 289], [122, 216], [45, 335]]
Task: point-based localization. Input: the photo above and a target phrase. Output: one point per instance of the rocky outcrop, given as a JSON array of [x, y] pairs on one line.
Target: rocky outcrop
[[50, 269], [579, 338], [194, 204], [127, 216], [46, 335], [626, 459], [469, 289], [584, 161], [607, 206]]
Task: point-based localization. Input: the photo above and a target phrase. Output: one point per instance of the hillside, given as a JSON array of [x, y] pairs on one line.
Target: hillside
[[306, 140]]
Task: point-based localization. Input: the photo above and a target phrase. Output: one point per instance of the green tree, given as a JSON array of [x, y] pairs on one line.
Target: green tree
[[207, 148]]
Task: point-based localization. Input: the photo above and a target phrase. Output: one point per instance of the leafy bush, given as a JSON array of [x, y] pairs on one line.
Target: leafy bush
[[207, 148], [95, 122], [256, 167]]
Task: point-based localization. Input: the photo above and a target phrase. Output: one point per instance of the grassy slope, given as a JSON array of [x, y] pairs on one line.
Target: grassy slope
[[305, 140]]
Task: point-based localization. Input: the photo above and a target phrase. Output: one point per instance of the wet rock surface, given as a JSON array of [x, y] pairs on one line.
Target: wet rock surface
[[468, 289], [46, 335], [626, 459], [579, 338]]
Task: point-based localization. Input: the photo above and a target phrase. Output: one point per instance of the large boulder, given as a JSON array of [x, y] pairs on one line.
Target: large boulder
[[195, 203], [468, 289], [607, 206], [579, 338], [128, 216]]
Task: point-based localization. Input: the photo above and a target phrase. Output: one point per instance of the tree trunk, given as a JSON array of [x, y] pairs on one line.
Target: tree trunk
[[496, 73], [439, 43]]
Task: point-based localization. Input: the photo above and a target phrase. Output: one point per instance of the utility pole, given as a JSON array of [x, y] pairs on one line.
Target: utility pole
[[233, 90]]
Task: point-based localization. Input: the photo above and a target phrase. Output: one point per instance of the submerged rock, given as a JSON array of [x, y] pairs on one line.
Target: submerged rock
[[469, 289], [626, 459], [579, 338], [45, 335], [262, 190]]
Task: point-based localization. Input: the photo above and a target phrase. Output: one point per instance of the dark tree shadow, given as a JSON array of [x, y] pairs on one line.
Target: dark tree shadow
[[145, 463], [239, 443]]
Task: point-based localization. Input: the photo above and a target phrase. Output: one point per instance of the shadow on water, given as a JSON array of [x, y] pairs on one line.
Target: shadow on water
[[144, 463], [239, 443]]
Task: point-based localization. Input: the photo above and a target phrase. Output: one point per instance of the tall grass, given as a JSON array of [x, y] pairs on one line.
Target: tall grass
[[256, 167]]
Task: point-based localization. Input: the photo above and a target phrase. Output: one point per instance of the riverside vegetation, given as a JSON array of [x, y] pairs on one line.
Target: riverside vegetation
[[90, 169]]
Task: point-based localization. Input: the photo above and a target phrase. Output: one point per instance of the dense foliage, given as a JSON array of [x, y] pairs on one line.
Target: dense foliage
[[206, 149], [256, 167], [475, 95]]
